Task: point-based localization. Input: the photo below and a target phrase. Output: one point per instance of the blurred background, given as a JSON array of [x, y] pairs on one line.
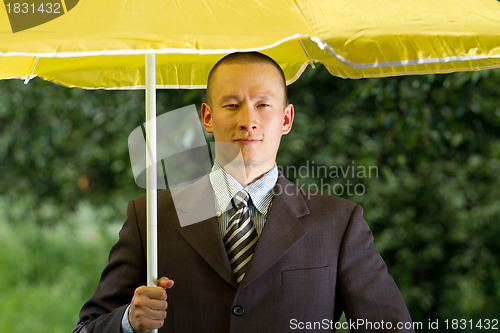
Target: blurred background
[[420, 153]]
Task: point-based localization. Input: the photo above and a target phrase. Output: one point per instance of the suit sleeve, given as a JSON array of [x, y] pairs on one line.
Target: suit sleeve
[[125, 271], [369, 295]]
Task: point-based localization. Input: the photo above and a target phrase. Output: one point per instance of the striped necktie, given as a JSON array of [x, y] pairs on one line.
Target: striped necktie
[[241, 236]]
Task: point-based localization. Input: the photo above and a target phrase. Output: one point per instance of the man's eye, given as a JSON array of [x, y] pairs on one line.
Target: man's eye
[[231, 105], [264, 105]]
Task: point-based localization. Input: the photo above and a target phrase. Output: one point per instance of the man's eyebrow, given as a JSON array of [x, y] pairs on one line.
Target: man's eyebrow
[[255, 98], [264, 96], [229, 97]]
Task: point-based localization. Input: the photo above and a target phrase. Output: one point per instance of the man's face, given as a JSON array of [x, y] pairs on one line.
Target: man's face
[[247, 109]]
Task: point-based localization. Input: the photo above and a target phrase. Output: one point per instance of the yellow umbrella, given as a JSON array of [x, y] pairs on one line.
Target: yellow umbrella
[[101, 44]]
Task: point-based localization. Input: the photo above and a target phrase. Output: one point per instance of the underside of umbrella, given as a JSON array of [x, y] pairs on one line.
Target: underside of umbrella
[[99, 44]]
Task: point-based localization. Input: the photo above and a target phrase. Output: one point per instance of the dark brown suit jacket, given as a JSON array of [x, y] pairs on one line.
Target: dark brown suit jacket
[[314, 259]]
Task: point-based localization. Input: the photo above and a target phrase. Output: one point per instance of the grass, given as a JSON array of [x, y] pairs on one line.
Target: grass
[[49, 271]]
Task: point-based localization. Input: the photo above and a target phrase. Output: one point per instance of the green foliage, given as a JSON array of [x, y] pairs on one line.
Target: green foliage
[[432, 143], [62, 145], [433, 206], [48, 271]]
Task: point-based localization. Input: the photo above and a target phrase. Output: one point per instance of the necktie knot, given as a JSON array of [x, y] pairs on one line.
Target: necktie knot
[[241, 198]]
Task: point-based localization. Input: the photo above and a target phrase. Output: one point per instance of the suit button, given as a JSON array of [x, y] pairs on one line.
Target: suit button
[[238, 310]]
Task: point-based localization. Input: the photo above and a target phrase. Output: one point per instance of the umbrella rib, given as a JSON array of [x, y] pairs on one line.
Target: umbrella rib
[[307, 54], [30, 76]]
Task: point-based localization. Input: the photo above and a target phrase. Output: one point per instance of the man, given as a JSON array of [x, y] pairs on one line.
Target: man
[[272, 258]]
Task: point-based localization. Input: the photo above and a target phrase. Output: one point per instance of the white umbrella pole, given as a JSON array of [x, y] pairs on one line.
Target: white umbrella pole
[[151, 203]]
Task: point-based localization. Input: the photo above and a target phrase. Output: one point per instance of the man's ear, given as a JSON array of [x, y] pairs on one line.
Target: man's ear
[[288, 119], [206, 118]]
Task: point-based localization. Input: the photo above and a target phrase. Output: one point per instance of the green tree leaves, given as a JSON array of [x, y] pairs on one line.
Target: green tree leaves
[[434, 209]]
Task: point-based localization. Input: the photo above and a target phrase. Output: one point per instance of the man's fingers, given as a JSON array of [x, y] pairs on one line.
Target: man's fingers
[[158, 305], [165, 283], [150, 313], [149, 305], [144, 324], [148, 309], [152, 292]]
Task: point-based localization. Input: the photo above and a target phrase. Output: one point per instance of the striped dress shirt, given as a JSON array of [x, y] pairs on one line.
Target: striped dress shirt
[[261, 194]]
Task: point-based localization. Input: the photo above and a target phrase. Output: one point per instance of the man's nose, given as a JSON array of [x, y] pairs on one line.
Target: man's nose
[[247, 118]]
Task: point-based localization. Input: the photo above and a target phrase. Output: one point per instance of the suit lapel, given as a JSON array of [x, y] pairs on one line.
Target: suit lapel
[[282, 229], [200, 228]]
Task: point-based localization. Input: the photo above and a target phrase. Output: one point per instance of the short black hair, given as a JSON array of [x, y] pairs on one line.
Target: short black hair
[[245, 57]]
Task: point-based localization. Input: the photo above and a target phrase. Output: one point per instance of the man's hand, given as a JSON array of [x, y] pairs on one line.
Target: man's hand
[[148, 309]]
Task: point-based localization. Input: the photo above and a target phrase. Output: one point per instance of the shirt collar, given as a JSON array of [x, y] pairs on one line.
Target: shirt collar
[[225, 187]]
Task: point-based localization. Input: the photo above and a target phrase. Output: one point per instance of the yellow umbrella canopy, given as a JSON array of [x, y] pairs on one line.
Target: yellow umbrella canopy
[[101, 44]]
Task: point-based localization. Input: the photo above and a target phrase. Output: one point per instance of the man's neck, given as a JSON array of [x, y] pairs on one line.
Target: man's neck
[[246, 174]]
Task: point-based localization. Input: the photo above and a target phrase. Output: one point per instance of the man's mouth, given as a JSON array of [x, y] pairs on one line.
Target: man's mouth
[[247, 141]]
